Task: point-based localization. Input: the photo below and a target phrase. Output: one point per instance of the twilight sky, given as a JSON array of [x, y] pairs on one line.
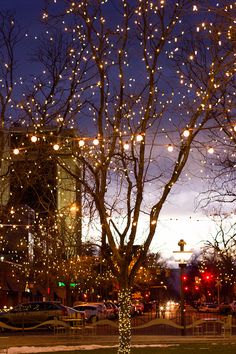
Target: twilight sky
[[178, 219]]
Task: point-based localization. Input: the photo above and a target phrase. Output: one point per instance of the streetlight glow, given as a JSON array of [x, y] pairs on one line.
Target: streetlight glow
[[182, 257]]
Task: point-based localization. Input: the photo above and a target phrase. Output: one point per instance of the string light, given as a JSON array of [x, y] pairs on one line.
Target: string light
[[210, 150], [81, 143], [186, 133], [124, 110], [56, 147], [16, 151], [124, 298], [95, 141], [34, 139], [139, 138], [170, 148], [126, 145]]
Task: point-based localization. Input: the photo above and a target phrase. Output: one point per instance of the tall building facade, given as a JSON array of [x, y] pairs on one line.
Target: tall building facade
[[35, 186]]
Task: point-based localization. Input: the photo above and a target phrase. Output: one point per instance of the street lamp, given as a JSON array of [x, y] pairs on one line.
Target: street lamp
[[182, 257]]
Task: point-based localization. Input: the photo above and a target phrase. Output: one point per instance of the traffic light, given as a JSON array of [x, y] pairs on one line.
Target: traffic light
[[207, 276], [185, 286]]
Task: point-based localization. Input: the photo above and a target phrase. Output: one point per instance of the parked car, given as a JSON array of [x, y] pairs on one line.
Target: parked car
[[112, 310], [208, 307], [93, 311], [33, 313]]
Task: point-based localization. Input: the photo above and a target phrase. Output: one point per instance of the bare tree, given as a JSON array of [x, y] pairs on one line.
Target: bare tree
[[119, 85], [220, 254], [55, 97], [126, 107], [10, 36], [220, 167]]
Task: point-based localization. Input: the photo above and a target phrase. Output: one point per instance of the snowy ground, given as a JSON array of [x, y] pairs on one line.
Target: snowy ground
[[61, 348]]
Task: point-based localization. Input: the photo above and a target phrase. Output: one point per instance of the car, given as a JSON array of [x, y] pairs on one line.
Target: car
[[102, 307], [208, 307], [93, 311], [34, 313], [112, 310]]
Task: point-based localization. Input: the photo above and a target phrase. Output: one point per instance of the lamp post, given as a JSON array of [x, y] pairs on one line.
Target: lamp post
[[182, 257]]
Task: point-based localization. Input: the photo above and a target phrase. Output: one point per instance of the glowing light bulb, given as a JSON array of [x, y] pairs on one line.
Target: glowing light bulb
[[186, 133], [235, 128], [139, 137], [74, 208], [126, 145], [81, 143], [16, 151], [210, 150], [56, 147], [33, 139], [95, 141], [170, 148]]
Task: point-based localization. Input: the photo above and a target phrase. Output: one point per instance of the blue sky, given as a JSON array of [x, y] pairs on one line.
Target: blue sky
[[26, 10]]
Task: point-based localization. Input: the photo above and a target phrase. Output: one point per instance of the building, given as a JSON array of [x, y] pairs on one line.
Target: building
[[35, 186]]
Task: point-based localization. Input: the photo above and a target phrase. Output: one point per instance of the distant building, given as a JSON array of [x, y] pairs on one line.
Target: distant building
[[33, 185]]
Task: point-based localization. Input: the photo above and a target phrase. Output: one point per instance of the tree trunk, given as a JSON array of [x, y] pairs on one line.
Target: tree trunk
[[124, 298]]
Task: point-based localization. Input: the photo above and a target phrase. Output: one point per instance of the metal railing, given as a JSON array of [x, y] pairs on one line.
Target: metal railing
[[196, 324]]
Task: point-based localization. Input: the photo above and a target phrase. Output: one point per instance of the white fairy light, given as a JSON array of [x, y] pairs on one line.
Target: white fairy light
[[210, 150], [81, 143], [139, 137], [56, 147], [186, 133], [126, 145], [95, 141], [170, 148]]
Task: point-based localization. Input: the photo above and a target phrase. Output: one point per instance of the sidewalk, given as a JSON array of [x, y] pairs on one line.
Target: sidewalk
[[54, 340]]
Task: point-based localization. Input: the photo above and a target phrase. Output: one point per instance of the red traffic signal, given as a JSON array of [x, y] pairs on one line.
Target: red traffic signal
[[207, 276]]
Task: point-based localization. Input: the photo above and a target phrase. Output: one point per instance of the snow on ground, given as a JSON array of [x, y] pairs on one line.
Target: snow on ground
[[61, 348], [58, 348]]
